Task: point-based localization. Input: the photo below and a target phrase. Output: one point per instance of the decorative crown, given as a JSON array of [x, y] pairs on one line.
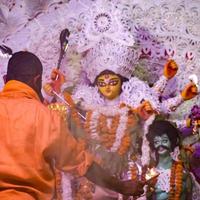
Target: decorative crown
[[102, 29], [109, 55]]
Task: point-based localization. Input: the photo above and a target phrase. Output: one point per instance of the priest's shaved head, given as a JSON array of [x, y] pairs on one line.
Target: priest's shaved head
[[26, 67]]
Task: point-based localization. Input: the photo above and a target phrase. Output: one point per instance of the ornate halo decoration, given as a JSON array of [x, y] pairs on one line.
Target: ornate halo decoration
[[98, 20], [102, 22]]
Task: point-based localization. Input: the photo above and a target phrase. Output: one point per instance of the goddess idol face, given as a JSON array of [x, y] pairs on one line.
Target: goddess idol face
[[109, 85]]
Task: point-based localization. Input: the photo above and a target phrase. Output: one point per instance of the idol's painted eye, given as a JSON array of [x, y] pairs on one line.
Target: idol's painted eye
[[165, 141], [101, 84], [156, 142], [113, 82]]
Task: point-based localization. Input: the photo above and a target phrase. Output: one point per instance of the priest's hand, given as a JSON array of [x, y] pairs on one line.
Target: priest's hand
[[132, 188], [101, 177]]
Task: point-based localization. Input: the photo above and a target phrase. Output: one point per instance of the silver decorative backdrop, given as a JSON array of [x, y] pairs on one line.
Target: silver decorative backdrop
[[161, 29]]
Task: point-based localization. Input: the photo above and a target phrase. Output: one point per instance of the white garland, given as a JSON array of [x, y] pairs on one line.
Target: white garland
[[109, 112], [129, 172], [120, 132], [94, 124], [145, 143], [66, 186]]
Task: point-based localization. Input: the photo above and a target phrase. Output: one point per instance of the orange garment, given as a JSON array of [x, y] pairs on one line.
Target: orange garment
[[31, 137]]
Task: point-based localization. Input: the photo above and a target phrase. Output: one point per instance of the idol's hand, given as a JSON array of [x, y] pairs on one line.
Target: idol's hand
[[188, 122], [58, 80], [57, 74], [170, 69], [145, 110], [189, 92]]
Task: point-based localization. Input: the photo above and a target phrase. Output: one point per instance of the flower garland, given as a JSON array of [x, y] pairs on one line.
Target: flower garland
[[133, 172], [106, 124], [176, 180], [110, 129], [58, 184], [145, 159]]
